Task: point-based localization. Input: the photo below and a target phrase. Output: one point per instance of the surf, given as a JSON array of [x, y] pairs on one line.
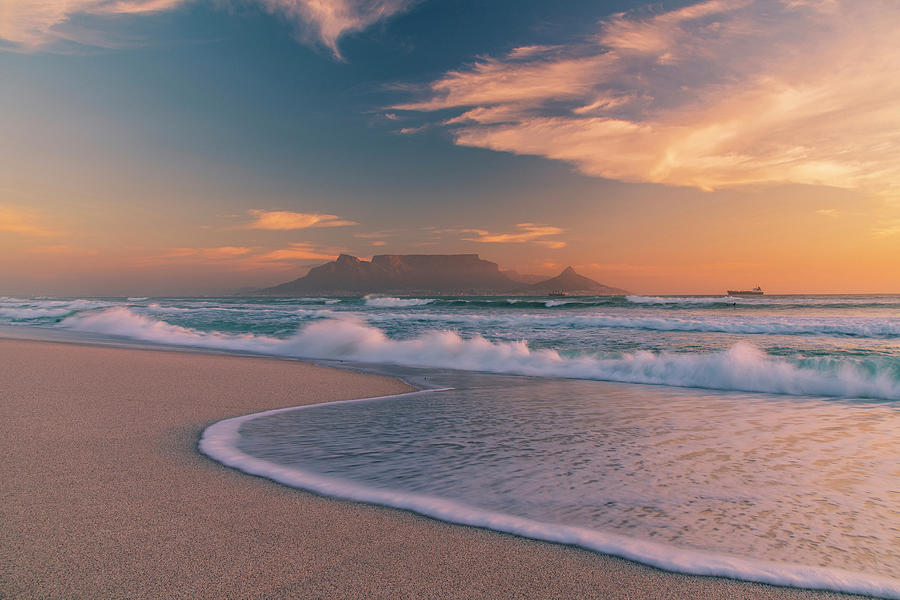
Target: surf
[[742, 367]]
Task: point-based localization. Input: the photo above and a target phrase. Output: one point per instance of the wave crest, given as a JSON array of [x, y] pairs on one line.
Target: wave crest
[[743, 367], [389, 302]]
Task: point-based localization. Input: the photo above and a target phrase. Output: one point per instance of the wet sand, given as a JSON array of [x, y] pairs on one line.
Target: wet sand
[[104, 495]]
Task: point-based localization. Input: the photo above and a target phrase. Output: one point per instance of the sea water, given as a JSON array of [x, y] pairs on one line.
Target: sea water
[[766, 447]]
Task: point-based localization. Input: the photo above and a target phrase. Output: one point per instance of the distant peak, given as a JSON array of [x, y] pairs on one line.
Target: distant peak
[[345, 258], [569, 271]]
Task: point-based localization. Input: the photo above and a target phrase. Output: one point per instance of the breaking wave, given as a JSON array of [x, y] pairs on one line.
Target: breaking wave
[[858, 327], [855, 327], [388, 302], [24, 314], [14, 309], [743, 367]]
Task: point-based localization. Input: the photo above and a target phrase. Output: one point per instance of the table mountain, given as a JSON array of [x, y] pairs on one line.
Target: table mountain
[[429, 274]]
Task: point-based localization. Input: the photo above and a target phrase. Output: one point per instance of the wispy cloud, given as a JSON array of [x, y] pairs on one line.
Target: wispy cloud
[[36, 24], [241, 258], [552, 244], [718, 93], [297, 251], [327, 21], [888, 228], [216, 253], [32, 25], [284, 220], [23, 222], [525, 232]]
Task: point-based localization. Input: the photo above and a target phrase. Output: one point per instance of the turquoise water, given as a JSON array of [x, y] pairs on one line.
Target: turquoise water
[[841, 346], [766, 447]]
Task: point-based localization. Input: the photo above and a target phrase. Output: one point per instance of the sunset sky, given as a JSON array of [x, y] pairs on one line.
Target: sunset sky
[[161, 147]]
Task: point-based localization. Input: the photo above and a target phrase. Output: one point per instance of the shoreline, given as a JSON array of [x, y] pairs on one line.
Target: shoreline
[[106, 494]]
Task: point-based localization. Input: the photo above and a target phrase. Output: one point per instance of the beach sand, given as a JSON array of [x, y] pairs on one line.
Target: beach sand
[[104, 495]]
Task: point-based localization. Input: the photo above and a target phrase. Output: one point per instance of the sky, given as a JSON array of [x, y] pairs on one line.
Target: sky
[[191, 147]]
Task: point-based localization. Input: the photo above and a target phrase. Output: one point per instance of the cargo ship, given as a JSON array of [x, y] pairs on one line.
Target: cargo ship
[[757, 291]]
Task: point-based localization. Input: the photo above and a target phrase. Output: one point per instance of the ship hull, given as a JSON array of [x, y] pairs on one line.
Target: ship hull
[[744, 293]]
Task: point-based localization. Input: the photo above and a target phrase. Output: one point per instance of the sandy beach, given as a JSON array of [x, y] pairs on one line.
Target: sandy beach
[[104, 495]]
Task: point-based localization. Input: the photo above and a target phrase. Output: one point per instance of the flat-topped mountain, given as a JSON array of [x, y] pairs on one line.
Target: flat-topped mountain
[[437, 274], [402, 273], [571, 282]]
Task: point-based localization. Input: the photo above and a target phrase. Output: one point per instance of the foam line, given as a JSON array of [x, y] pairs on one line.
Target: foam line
[[743, 367], [388, 302], [220, 442]]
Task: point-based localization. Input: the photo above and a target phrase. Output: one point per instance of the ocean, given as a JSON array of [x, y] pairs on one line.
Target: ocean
[[755, 438]]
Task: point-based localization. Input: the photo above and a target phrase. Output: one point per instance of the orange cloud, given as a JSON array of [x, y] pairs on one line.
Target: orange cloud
[[282, 220], [715, 94], [33, 24], [553, 245], [297, 251], [328, 20], [15, 220], [527, 232], [240, 258], [888, 229]]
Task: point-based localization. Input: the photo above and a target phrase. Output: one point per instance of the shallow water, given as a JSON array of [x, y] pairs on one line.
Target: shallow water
[[806, 481]]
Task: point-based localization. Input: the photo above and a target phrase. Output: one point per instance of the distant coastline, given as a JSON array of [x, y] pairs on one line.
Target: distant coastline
[[431, 275]]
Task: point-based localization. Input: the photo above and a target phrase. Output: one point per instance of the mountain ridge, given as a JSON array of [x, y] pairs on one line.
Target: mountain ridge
[[432, 274]]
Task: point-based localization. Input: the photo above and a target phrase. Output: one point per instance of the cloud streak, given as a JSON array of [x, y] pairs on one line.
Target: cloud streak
[[15, 220], [326, 21], [297, 251], [716, 94], [282, 220], [526, 232], [242, 258], [37, 24]]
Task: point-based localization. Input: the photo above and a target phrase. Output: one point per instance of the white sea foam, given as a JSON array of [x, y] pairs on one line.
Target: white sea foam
[[308, 300], [864, 327], [156, 307], [743, 367], [15, 309], [850, 326], [388, 302], [26, 313], [220, 442], [552, 303]]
